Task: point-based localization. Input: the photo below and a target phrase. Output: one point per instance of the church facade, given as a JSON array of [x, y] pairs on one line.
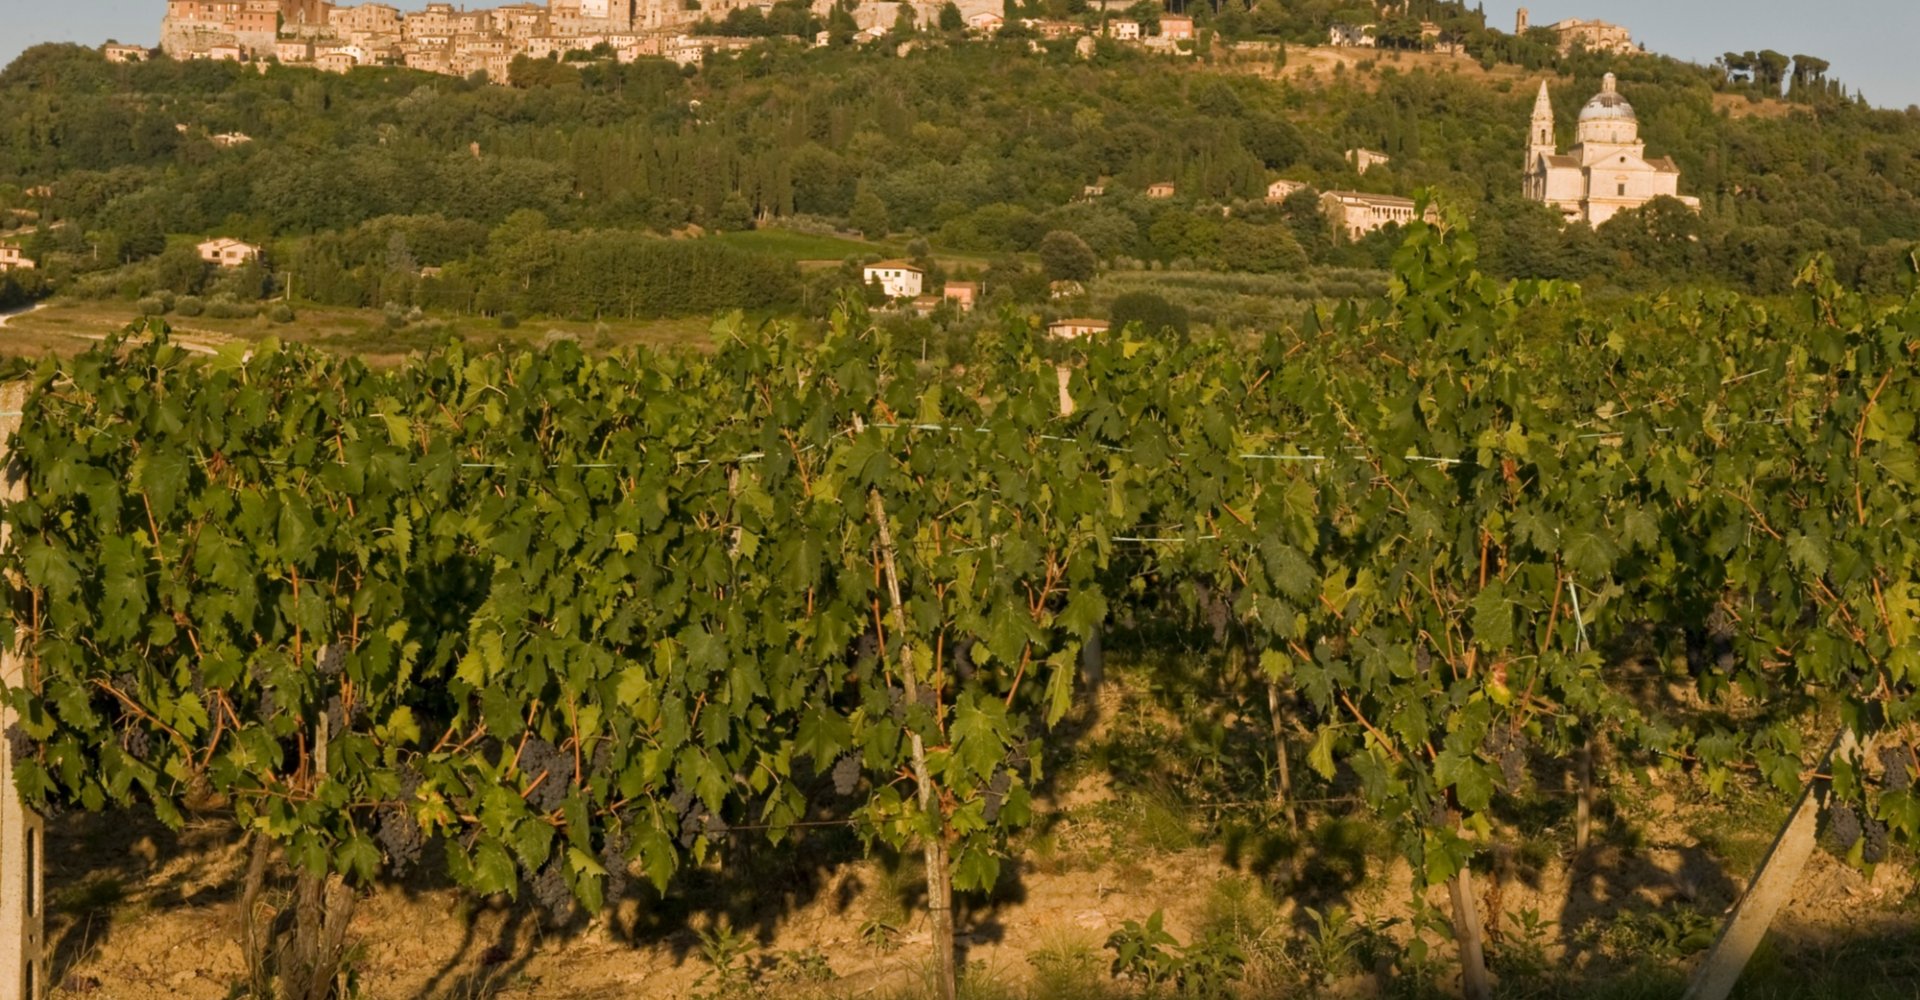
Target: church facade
[[1607, 171]]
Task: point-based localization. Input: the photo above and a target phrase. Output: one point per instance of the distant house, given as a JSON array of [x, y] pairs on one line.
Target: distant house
[[228, 252], [898, 278], [1164, 189], [1126, 31], [1356, 213], [293, 50], [1092, 191], [962, 294], [225, 53], [1283, 189], [924, 305], [10, 259], [986, 22], [228, 140], [1050, 29], [336, 61], [1364, 160], [117, 53], [1177, 28], [1073, 329], [1351, 36], [1064, 289]]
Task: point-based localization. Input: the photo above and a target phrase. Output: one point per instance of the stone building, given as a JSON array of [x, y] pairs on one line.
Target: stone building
[[1357, 213], [1594, 36], [1607, 171]]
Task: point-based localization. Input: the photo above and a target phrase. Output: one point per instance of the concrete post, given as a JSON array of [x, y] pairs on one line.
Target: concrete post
[[23, 961]]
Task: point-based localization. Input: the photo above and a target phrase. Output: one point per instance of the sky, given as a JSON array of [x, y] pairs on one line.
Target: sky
[[1869, 42]]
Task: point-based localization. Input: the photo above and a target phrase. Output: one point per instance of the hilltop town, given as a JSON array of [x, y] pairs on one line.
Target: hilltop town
[[456, 41]]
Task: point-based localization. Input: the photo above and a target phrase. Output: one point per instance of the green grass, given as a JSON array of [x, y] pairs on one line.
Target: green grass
[[798, 246]]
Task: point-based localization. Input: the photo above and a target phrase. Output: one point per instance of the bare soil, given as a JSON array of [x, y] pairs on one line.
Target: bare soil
[[140, 912]]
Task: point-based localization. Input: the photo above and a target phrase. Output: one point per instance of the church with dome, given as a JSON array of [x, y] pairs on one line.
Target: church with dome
[[1607, 171]]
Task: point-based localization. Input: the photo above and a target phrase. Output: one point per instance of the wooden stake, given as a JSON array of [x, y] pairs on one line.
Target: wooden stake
[[1772, 886], [939, 882], [1280, 757], [1583, 805], [1467, 932], [23, 959]]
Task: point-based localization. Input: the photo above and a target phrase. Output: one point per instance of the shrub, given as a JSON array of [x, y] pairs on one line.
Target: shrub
[[189, 305], [150, 306], [280, 313], [509, 321], [229, 309]]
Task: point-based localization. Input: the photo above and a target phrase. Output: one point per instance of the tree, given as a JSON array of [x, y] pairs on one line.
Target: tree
[[735, 213], [1153, 315], [951, 19], [1067, 257], [869, 215], [1269, 249]]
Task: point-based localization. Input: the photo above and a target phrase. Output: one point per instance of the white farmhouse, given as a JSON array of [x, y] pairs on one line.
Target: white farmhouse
[[228, 252], [898, 278]]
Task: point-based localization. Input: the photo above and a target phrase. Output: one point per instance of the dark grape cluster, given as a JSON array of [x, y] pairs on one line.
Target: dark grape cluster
[[19, 744], [1874, 850], [550, 890], [1422, 659], [1843, 825], [268, 708], [340, 716], [695, 819], [613, 857], [135, 740], [332, 660], [1510, 752], [401, 839], [1898, 762], [866, 647], [846, 773], [539, 757], [996, 794], [960, 656], [602, 762]]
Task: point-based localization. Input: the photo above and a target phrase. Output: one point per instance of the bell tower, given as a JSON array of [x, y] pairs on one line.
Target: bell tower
[[1540, 140]]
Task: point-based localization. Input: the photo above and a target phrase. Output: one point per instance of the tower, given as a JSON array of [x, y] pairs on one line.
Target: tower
[[1540, 140], [1520, 22]]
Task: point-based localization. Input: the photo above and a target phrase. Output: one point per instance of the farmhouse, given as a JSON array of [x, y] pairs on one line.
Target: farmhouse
[[962, 294], [10, 259], [117, 53], [1364, 160], [227, 252], [1357, 213], [1283, 189], [899, 279], [1073, 329], [1164, 189]]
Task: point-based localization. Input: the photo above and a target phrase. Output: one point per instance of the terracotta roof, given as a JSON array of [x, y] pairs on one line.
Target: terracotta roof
[[1554, 160], [1080, 322], [897, 265], [1665, 165]]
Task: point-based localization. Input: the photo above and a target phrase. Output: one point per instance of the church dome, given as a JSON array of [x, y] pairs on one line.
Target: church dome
[[1608, 105]]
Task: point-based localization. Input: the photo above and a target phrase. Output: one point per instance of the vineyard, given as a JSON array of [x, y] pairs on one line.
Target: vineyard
[[580, 625]]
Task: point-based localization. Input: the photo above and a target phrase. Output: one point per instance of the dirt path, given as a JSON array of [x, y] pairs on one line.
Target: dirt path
[[9, 315]]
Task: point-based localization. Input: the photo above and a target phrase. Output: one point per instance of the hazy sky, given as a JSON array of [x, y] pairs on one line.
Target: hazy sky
[[1869, 42]]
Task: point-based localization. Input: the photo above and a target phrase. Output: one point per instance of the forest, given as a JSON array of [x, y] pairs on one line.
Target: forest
[[551, 198]]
